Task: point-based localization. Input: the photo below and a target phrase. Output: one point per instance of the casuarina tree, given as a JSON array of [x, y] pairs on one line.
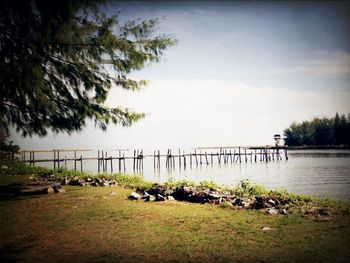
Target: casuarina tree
[[59, 59]]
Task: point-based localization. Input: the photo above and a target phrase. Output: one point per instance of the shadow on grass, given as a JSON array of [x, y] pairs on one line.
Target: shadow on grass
[[14, 192], [11, 252]]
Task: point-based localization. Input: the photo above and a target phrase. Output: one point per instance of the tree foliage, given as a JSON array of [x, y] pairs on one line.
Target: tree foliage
[[59, 60], [319, 131], [7, 148]]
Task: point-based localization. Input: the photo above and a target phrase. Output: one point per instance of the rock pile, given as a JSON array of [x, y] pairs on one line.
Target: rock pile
[[87, 181], [271, 204]]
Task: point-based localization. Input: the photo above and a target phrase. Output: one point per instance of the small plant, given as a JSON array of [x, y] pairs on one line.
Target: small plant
[[180, 183], [246, 188], [210, 185]]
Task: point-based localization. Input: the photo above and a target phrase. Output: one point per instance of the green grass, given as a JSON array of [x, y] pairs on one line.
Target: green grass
[[87, 224]]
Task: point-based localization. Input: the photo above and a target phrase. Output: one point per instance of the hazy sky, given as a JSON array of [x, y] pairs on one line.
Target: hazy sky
[[241, 72]]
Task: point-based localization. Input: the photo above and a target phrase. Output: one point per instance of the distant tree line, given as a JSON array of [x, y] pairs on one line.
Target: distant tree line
[[319, 131]]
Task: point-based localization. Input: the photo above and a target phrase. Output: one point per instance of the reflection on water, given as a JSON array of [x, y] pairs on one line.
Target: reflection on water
[[319, 173]]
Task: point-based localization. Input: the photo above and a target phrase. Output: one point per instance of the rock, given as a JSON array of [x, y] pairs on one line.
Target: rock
[[159, 197], [75, 182], [237, 201], [4, 167], [171, 198], [150, 198], [113, 193], [214, 195], [270, 201], [266, 228], [145, 195], [323, 212], [283, 212], [59, 189], [49, 190], [245, 204], [134, 196], [65, 181], [157, 189], [187, 193], [229, 198], [259, 202], [202, 197], [112, 182], [272, 211]]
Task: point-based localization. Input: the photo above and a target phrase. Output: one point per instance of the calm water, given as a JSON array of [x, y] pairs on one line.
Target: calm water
[[319, 173]]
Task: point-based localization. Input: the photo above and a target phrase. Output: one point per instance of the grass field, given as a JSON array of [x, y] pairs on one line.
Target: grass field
[[89, 224]]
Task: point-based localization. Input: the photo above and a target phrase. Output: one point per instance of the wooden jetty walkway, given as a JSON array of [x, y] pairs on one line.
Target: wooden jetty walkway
[[198, 157]]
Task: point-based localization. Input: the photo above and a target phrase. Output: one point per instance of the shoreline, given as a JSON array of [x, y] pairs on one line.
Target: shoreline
[[315, 147]]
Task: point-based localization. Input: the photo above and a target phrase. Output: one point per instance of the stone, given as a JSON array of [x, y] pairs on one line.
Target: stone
[[59, 189], [272, 211], [159, 197], [259, 202], [134, 196], [283, 212], [113, 193], [266, 228], [75, 182], [187, 193], [202, 197], [4, 167], [65, 181], [237, 201], [150, 198], [171, 198], [112, 182], [157, 189], [49, 190], [145, 195], [270, 201], [245, 204], [214, 195], [230, 198], [323, 212]]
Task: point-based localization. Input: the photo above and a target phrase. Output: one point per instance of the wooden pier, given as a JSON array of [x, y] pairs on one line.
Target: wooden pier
[[198, 157]]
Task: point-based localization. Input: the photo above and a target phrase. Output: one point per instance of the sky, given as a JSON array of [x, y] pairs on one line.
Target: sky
[[240, 73]]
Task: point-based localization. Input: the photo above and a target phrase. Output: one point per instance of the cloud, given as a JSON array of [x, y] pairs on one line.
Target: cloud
[[197, 112], [325, 64]]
